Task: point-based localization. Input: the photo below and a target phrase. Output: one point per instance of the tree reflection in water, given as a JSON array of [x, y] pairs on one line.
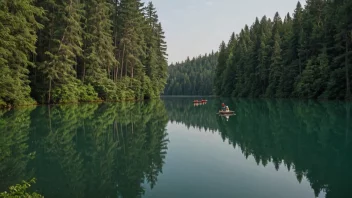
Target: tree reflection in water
[[89, 150], [311, 138]]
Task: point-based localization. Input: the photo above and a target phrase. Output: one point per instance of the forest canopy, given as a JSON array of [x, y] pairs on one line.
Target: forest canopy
[[307, 54], [59, 51], [192, 77], [304, 55]]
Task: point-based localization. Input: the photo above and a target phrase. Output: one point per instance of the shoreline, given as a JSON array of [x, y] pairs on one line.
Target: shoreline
[[164, 96], [71, 103]]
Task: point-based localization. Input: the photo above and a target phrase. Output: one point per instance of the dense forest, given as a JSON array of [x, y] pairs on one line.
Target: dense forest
[[306, 55], [55, 51], [192, 77], [90, 150]]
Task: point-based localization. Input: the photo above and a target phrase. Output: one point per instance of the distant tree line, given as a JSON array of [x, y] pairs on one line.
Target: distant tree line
[[56, 51], [307, 55], [192, 77]]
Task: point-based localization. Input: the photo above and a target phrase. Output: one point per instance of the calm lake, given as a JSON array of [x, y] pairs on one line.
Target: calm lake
[[173, 148]]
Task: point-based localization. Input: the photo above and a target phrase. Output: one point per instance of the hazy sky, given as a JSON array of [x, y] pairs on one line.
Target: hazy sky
[[194, 27]]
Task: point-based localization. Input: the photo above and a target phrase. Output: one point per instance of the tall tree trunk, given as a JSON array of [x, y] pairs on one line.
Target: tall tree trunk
[[126, 68], [109, 76], [116, 73], [123, 55], [84, 72], [117, 67], [131, 74]]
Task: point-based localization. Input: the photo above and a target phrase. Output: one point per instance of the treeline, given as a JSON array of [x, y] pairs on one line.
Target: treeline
[[307, 55], [192, 77], [70, 51]]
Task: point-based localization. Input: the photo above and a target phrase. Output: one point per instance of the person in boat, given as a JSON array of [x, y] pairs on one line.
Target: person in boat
[[223, 107], [227, 108]]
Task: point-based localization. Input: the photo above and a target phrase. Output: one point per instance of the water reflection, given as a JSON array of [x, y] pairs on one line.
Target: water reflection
[[14, 152], [113, 150], [310, 138], [92, 150]]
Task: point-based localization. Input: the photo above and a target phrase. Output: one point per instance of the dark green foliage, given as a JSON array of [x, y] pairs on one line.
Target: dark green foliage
[[99, 57], [18, 27], [156, 64], [192, 77], [80, 51], [220, 68], [19, 191], [307, 56]]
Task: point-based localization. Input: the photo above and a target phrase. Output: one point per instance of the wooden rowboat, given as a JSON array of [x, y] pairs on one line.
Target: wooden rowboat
[[199, 101], [226, 112]]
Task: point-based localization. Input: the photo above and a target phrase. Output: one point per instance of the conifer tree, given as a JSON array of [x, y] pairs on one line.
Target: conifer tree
[[86, 50], [60, 62], [155, 62], [18, 26], [100, 66], [192, 77], [221, 66]]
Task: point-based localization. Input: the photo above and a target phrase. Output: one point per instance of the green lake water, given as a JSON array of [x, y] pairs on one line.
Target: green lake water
[[173, 148]]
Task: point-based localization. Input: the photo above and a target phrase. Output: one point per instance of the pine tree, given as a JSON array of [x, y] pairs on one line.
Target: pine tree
[[156, 63], [229, 79], [254, 59], [275, 67], [286, 84], [130, 41], [343, 40], [100, 65], [60, 62], [18, 27], [162, 59], [244, 86], [263, 54], [276, 59], [221, 66], [227, 74]]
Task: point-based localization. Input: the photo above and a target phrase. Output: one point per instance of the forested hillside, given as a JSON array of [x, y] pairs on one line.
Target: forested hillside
[[192, 77], [306, 55], [56, 51]]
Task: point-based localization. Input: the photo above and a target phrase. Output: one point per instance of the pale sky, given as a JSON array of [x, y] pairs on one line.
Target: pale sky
[[194, 27]]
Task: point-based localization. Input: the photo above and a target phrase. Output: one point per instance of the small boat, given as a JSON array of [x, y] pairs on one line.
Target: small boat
[[204, 100], [226, 112]]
